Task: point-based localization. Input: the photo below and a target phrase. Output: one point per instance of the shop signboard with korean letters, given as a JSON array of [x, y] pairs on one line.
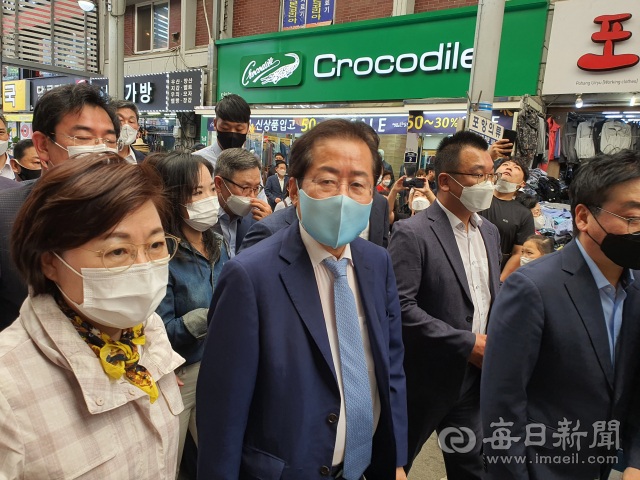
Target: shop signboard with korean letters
[[594, 48], [426, 55]]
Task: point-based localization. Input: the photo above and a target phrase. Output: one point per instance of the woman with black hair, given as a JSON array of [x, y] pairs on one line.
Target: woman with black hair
[[193, 271]]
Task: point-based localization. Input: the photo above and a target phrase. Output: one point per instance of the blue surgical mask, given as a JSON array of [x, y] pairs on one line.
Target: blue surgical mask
[[333, 221]]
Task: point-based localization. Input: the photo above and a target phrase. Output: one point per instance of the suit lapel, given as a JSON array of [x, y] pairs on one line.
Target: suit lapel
[[627, 344], [494, 269], [365, 278], [586, 298], [443, 231], [300, 281]]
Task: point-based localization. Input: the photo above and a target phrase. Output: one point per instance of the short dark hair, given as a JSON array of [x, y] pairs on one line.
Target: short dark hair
[[70, 98], [76, 202], [280, 162], [521, 162], [278, 154], [448, 153], [429, 167], [529, 201], [543, 244], [4, 120], [180, 174], [592, 182], [119, 104], [300, 157], [387, 172], [20, 148], [233, 108]]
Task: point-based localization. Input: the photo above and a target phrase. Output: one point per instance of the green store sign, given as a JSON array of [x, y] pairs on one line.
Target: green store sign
[[427, 55]]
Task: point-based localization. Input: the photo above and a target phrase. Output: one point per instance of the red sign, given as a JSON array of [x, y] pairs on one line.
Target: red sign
[[610, 31]]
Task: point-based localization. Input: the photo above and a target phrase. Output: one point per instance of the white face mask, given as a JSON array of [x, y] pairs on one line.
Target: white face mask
[[128, 135], [538, 222], [476, 198], [503, 186], [203, 214], [4, 144], [524, 260], [419, 204], [241, 206], [386, 182], [80, 149], [121, 300]]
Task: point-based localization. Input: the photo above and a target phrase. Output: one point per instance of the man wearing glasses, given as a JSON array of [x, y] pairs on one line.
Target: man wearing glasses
[[67, 121], [237, 179], [302, 373], [447, 264], [564, 341]]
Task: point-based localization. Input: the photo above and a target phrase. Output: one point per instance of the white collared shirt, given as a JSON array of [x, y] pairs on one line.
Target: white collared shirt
[[281, 180], [6, 171], [131, 158], [325, 280], [476, 266]]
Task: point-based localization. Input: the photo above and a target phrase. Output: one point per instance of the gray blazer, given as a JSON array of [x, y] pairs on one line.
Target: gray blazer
[[437, 311], [378, 224]]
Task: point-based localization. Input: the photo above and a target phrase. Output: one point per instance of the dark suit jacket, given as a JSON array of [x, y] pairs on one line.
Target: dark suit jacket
[[437, 311], [378, 223], [267, 384], [269, 225], [6, 183], [139, 155], [244, 225], [379, 220], [13, 289], [548, 358], [272, 189]]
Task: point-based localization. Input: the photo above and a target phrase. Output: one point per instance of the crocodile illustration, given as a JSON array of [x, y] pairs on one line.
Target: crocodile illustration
[[283, 72]]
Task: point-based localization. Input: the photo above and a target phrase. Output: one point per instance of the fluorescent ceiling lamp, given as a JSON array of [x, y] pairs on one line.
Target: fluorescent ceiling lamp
[[87, 5], [610, 113], [632, 103], [613, 116]]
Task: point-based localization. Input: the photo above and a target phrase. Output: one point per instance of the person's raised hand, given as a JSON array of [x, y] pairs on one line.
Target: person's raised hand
[[397, 187], [502, 148], [261, 209]]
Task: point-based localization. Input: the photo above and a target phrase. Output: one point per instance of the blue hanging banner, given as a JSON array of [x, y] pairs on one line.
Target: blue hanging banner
[[320, 13], [294, 14]]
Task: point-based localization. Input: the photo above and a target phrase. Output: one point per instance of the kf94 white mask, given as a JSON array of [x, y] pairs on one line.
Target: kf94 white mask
[[503, 186], [121, 300], [203, 214], [476, 198], [128, 135]]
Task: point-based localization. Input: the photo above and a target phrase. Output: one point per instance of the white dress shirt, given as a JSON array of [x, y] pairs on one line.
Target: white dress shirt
[[131, 158], [281, 180], [325, 280], [364, 234], [6, 171], [584, 140], [476, 266]]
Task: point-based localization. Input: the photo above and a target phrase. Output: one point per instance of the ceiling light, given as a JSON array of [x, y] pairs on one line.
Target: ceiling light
[[610, 113], [632, 103], [87, 5], [579, 101], [613, 116]]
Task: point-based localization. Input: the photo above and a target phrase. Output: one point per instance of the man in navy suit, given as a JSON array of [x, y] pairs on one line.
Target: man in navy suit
[[563, 341], [302, 372], [447, 263], [237, 179], [277, 187]]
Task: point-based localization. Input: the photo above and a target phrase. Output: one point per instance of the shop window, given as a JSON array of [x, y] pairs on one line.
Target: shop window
[[152, 27]]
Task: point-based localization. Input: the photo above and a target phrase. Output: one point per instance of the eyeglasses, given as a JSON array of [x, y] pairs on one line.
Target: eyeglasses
[[121, 256], [246, 191], [633, 224], [481, 177], [324, 187], [87, 140]]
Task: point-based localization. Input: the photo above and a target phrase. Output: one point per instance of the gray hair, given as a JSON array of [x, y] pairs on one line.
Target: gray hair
[[233, 160]]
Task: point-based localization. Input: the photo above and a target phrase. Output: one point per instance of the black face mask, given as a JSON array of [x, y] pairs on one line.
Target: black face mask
[[623, 250], [28, 173], [231, 139]]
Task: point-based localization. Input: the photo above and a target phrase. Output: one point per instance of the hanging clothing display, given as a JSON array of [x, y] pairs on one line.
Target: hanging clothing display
[[585, 147], [527, 127], [616, 136], [553, 137], [568, 142], [597, 130]]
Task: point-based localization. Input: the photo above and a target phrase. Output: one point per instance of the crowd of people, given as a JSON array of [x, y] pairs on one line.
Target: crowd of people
[[181, 312]]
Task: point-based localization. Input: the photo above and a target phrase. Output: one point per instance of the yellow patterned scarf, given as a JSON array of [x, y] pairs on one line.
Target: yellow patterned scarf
[[117, 358]]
